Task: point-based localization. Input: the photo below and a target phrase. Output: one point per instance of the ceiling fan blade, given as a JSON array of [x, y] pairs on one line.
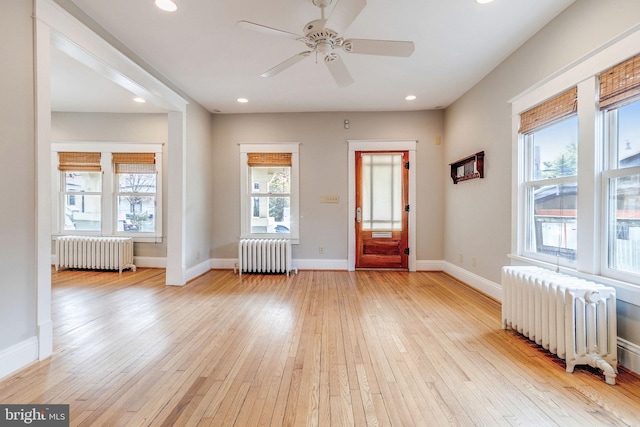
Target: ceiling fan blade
[[268, 30], [344, 13], [378, 47], [338, 70], [286, 64]]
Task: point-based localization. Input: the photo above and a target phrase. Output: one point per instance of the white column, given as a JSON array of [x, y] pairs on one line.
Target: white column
[[176, 199], [589, 166]]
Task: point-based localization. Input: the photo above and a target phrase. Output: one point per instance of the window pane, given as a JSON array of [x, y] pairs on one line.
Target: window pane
[[273, 215], [382, 191], [89, 182], [82, 212], [552, 228], [554, 150], [136, 214], [629, 135], [274, 180], [624, 223], [136, 183]]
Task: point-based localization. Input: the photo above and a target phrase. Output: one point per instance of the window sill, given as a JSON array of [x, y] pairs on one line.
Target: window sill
[[136, 239], [625, 291], [294, 240]]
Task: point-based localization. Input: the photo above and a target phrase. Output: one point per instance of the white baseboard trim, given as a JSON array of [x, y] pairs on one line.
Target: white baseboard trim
[[223, 263], [300, 264], [139, 261], [150, 261], [429, 265], [321, 264], [18, 356], [488, 287], [197, 270], [629, 355]]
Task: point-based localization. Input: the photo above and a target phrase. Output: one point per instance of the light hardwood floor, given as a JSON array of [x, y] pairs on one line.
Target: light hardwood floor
[[319, 348]]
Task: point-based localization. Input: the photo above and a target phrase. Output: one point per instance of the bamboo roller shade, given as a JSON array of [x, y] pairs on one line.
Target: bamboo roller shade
[[269, 159], [561, 106], [79, 161], [620, 83], [134, 162]]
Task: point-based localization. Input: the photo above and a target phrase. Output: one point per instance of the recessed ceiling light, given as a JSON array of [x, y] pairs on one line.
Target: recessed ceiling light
[[140, 100], [243, 100], [167, 5], [483, 1], [410, 97]]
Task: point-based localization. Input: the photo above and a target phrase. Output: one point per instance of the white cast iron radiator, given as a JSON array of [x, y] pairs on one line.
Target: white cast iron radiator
[[265, 256], [571, 317], [96, 253]]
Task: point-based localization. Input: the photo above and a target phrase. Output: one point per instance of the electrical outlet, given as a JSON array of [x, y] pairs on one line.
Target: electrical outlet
[[321, 250], [461, 258]]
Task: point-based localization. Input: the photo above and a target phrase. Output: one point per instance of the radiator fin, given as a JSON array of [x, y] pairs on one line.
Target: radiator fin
[[94, 253], [571, 317]]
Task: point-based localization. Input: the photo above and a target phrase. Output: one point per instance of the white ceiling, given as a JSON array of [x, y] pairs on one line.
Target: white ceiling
[[202, 51]]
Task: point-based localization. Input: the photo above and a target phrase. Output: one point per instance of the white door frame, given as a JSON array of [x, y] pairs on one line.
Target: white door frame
[[381, 145]]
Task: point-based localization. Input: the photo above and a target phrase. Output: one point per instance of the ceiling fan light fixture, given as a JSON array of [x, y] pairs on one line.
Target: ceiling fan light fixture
[[167, 5], [322, 3], [324, 47], [322, 37]]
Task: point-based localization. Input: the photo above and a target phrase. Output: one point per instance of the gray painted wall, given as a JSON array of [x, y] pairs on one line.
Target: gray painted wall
[[323, 171], [17, 176], [200, 178], [111, 127], [481, 120]]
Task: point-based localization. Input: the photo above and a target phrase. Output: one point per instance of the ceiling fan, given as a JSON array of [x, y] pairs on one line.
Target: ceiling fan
[[322, 37]]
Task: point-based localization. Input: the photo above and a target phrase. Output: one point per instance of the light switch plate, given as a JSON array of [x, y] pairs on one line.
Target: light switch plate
[[329, 199]]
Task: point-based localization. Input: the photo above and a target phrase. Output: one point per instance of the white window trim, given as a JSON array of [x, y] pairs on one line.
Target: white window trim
[[245, 189], [591, 178], [604, 247], [108, 223]]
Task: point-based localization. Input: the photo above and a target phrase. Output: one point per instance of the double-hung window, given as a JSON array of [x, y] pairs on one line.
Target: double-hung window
[[81, 191], [107, 189], [577, 169], [619, 102], [549, 134], [269, 199], [135, 192]]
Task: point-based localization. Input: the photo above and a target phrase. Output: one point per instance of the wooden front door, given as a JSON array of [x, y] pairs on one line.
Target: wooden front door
[[382, 209]]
